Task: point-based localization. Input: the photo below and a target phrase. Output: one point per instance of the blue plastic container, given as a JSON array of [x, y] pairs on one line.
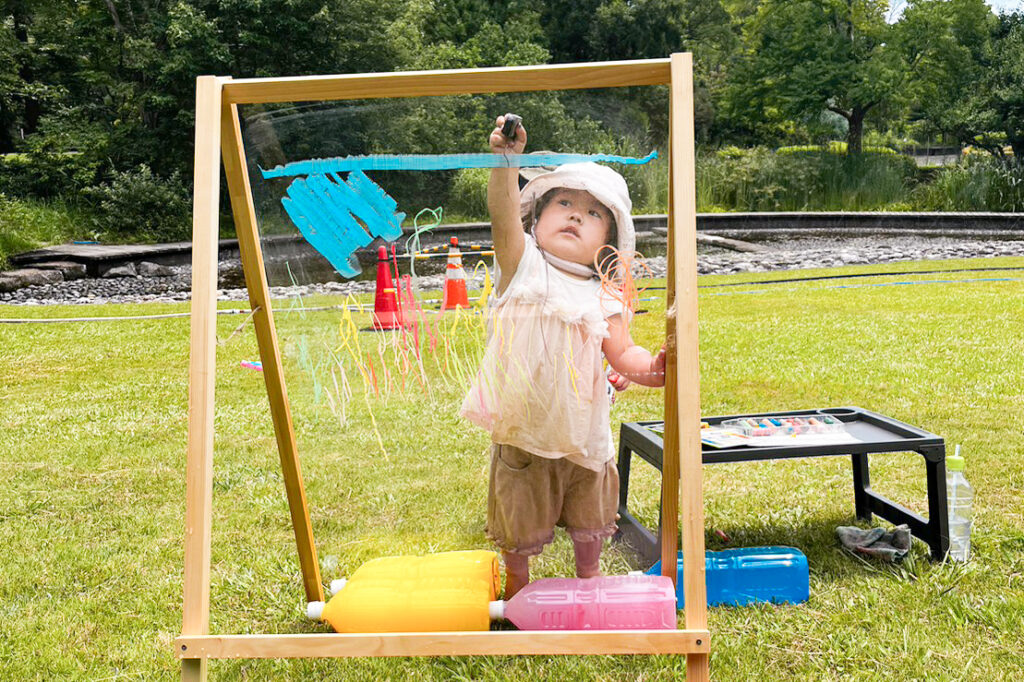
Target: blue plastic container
[[737, 577]]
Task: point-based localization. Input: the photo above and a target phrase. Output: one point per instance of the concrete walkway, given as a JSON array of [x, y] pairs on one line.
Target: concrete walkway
[[99, 257]]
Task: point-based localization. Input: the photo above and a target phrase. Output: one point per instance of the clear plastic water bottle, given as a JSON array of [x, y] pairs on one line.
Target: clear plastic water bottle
[[960, 498], [624, 602]]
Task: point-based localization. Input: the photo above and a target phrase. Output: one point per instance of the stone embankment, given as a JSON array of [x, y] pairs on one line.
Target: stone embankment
[[147, 282]]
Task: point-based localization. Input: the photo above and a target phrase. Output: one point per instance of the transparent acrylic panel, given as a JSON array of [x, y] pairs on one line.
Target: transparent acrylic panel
[[390, 466]]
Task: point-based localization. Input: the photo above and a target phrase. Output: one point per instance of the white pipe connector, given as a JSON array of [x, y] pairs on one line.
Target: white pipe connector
[[314, 610]]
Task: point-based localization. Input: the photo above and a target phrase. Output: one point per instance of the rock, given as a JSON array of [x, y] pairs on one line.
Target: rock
[[126, 270], [26, 277], [787, 254], [726, 243], [147, 269], [67, 268]]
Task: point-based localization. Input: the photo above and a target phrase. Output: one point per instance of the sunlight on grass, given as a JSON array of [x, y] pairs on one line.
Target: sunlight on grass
[[94, 424]]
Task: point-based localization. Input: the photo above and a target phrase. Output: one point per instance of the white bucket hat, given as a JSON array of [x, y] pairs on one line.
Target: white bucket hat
[[602, 182]]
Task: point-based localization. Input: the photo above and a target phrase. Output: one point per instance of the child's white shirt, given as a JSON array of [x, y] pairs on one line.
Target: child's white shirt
[[541, 383]]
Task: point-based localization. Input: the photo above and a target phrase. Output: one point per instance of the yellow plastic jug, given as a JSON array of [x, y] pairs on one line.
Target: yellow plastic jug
[[438, 592]]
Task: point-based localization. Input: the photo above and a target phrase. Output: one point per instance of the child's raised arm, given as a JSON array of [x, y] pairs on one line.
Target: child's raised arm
[[630, 360], [503, 203]]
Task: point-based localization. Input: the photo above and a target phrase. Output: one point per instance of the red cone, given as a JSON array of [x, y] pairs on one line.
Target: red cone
[[455, 294], [385, 304]]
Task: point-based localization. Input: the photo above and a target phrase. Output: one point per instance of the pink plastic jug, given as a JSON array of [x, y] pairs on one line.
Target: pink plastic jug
[[622, 602]]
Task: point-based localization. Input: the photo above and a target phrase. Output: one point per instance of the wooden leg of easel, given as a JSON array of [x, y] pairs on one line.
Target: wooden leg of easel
[[193, 669], [202, 368], [685, 389], [266, 335], [669, 525]]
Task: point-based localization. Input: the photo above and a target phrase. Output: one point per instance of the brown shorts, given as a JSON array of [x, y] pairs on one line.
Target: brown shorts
[[529, 495]]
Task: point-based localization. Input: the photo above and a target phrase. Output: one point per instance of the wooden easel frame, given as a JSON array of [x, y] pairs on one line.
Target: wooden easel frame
[[218, 133]]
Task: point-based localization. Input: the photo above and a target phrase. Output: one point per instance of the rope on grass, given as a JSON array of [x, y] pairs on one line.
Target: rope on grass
[[244, 311], [239, 328], [42, 320], [977, 280], [225, 311], [790, 280]]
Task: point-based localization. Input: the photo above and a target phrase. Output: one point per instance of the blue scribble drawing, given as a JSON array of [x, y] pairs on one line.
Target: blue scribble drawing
[[429, 162], [337, 216], [325, 208]]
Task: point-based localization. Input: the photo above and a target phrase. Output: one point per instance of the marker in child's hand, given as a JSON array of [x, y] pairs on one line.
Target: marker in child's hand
[[512, 123]]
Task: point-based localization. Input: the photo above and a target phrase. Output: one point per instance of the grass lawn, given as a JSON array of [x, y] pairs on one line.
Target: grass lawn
[[92, 454]]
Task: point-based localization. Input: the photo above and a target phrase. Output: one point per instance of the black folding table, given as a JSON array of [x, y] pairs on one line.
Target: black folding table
[[875, 433]]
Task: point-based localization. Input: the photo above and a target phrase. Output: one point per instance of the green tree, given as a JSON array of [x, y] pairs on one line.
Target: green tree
[[11, 83], [598, 30], [809, 56], [998, 102], [948, 45], [107, 86], [29, 54], [804, 58]]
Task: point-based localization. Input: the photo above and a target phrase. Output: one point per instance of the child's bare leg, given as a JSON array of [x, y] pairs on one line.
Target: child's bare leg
[[588, 557], [517, 572]]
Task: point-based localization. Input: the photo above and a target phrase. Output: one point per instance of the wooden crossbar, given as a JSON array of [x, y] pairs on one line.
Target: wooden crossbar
[[452, 82], [570, 642]]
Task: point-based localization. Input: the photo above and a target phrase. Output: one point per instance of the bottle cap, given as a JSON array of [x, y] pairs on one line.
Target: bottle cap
[[496, 609], [955, 462], [314, 610], [338, 585]]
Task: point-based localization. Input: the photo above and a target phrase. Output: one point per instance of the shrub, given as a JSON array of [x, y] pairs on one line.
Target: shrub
[[44, 173], [467, 197], [139, 205], [761, 180], [61, 159], [27, 224], [978, 183], [15, 174], [648, 185], [833, 147]]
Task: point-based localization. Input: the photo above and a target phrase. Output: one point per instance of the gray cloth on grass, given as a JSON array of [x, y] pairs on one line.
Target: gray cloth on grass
[[886, 545]]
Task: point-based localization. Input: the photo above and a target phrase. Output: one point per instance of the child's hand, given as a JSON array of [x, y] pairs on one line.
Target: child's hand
[[658, 367], [501, 144], [618, 382]]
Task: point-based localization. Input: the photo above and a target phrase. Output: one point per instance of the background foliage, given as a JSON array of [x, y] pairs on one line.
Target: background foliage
[[97, 97]]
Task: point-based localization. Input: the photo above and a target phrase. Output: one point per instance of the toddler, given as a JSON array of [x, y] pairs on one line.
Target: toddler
[[540, 390]]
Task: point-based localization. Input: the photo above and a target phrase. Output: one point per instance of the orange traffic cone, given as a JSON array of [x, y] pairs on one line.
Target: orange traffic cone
[[455, 294], [386, 314]]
